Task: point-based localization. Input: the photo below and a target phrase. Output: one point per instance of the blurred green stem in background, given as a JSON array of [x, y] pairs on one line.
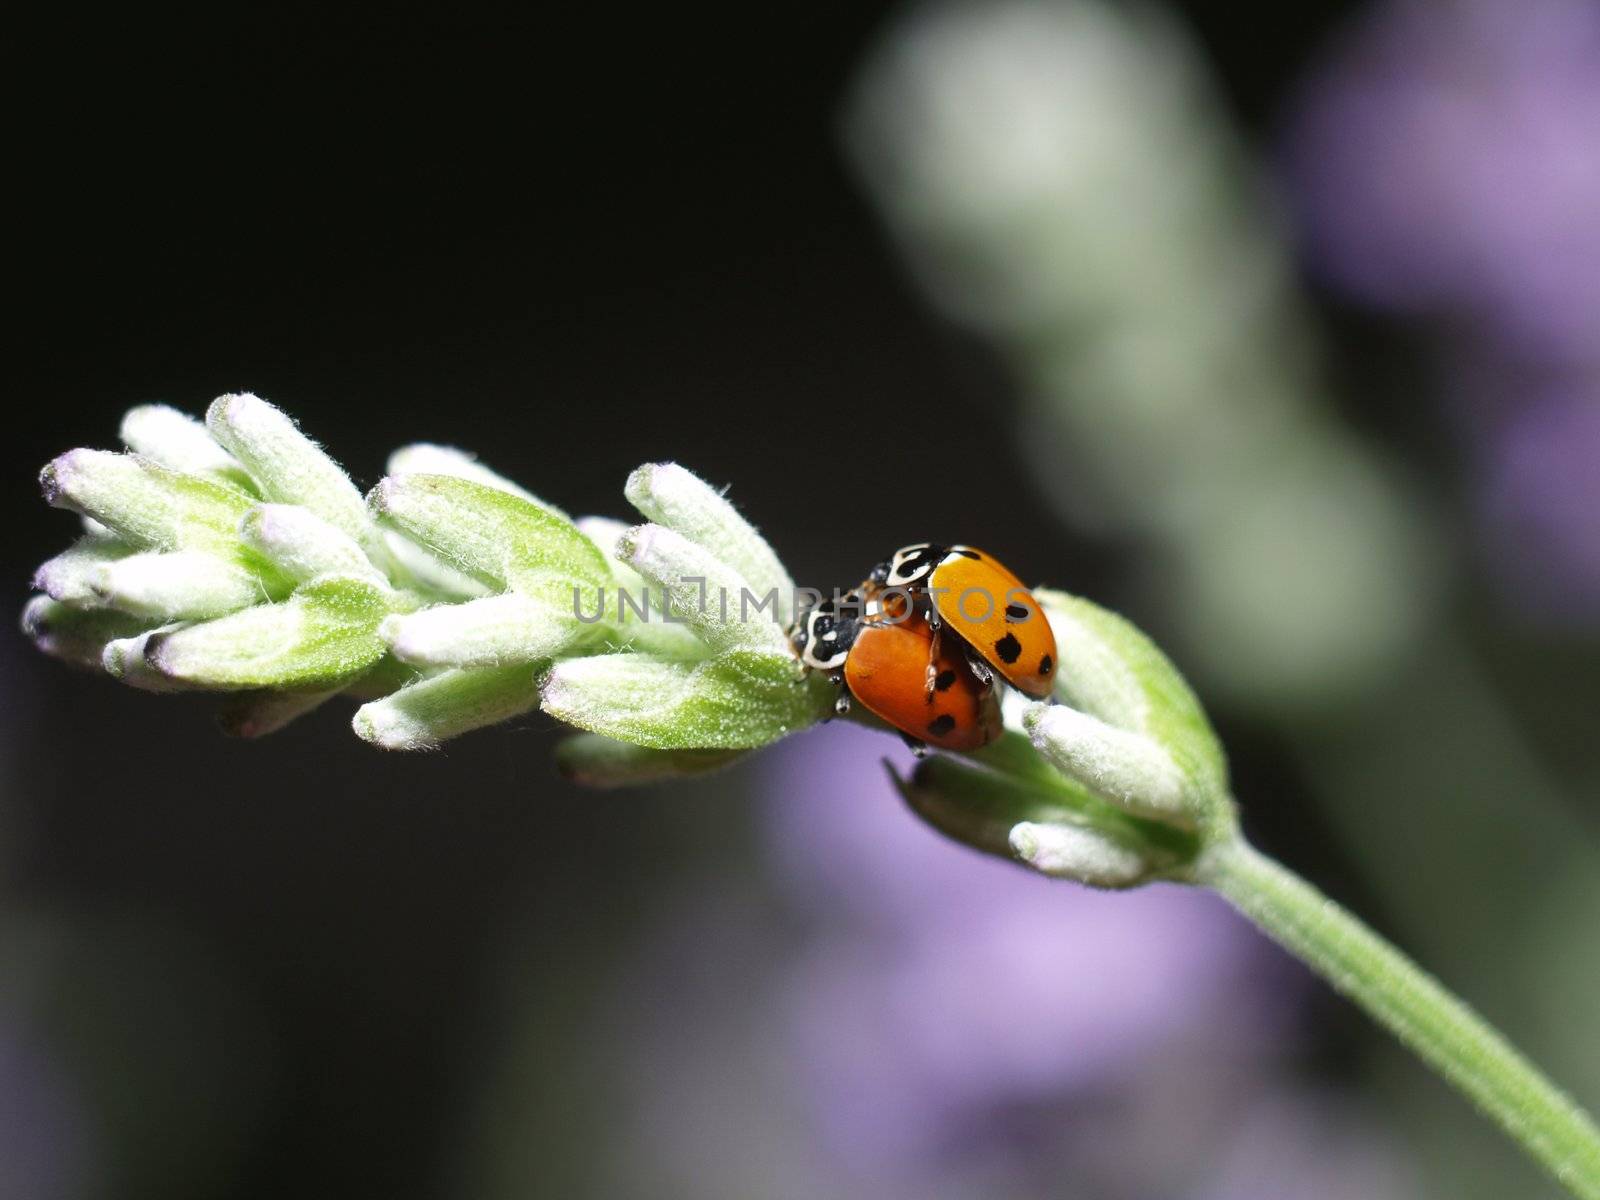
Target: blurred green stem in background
[[1412, 1005]]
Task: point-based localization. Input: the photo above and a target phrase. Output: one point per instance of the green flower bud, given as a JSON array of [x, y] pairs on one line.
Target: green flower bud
[[289, 467], [70, 576], [738, 700], [179, 442], [324, 634], [424, 458], [493, 631], [702, 591], [124, 659], [429, 712], [302, 545], [143, 502], [671, 496], [181, 585], [76, 635], [500, 539], [1139, 739], [1078, 853]]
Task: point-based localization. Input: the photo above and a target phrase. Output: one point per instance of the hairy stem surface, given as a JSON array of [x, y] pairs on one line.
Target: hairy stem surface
[[1412, 1005]]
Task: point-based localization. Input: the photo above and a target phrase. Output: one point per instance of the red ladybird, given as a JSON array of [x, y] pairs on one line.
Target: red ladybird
[[884, 658]]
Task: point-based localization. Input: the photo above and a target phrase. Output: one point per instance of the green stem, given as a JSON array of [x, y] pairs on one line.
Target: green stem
[[1412, 1005]]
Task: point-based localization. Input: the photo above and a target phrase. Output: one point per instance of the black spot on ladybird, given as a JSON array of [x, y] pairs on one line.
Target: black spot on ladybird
[[1016, 612], [1009, 649], [945, 681], [941, 725], [1046, 665]]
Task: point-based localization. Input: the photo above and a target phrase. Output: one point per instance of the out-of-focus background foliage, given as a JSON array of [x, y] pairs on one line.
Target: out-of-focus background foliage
[[1278, 330]]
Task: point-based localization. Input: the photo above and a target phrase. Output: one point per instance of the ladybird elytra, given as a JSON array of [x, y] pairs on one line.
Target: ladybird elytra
[[885, 672], [972, 594]]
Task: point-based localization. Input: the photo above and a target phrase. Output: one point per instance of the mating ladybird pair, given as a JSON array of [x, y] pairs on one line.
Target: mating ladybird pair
[[920, 641]]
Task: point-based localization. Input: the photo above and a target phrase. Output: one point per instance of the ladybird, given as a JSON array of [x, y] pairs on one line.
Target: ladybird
[[882, 662], [976, 597]]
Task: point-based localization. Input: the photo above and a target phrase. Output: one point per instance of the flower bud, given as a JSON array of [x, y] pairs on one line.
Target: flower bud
[[76, 635], [124, 660], [433, 710], [1079, 853], [424, 458], [302, 545], [324, 634], [289, 467], [181, 585], [179, 442], [1139, 738], [703, 592], [68, 577], [671, 496], [737, 700], [1127, 769], [498, 538], [143, 502], [493, 631], [637, 621]]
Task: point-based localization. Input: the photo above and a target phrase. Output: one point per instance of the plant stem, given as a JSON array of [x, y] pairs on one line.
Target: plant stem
[[1412, 1005]]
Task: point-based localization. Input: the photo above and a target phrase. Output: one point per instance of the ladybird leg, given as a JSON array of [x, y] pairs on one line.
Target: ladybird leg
[[981, 668], [918, 749], [933, 662], [842, 705]]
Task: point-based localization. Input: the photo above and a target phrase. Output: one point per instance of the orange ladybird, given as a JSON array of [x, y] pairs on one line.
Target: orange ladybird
[[883, 660], [973, 595]]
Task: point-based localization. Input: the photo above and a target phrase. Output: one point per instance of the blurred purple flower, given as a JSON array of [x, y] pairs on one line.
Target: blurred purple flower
[[1541, 498], [46, 1147], [1446, 162], [1446, 159], [944, 986]]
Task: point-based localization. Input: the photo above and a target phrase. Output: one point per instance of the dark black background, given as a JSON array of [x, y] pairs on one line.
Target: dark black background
[[570, 244]]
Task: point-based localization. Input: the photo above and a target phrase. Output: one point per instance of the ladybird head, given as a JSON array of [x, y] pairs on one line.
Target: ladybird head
[[823, 634], [908, 565]]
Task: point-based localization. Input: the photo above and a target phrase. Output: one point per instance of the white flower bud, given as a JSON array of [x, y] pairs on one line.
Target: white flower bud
[[1127, 769], [704, 592], [494, 631], [636, 623], [124, 659], [176, 440], [496, 537], [735, 701], [68, 576], [671, 496], [433, 710], [426, 571], [143, 502], [1078, 853], [76, 635], [326, 633], [302, 545], [288, 466], [184, 584], [1115, 675]]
